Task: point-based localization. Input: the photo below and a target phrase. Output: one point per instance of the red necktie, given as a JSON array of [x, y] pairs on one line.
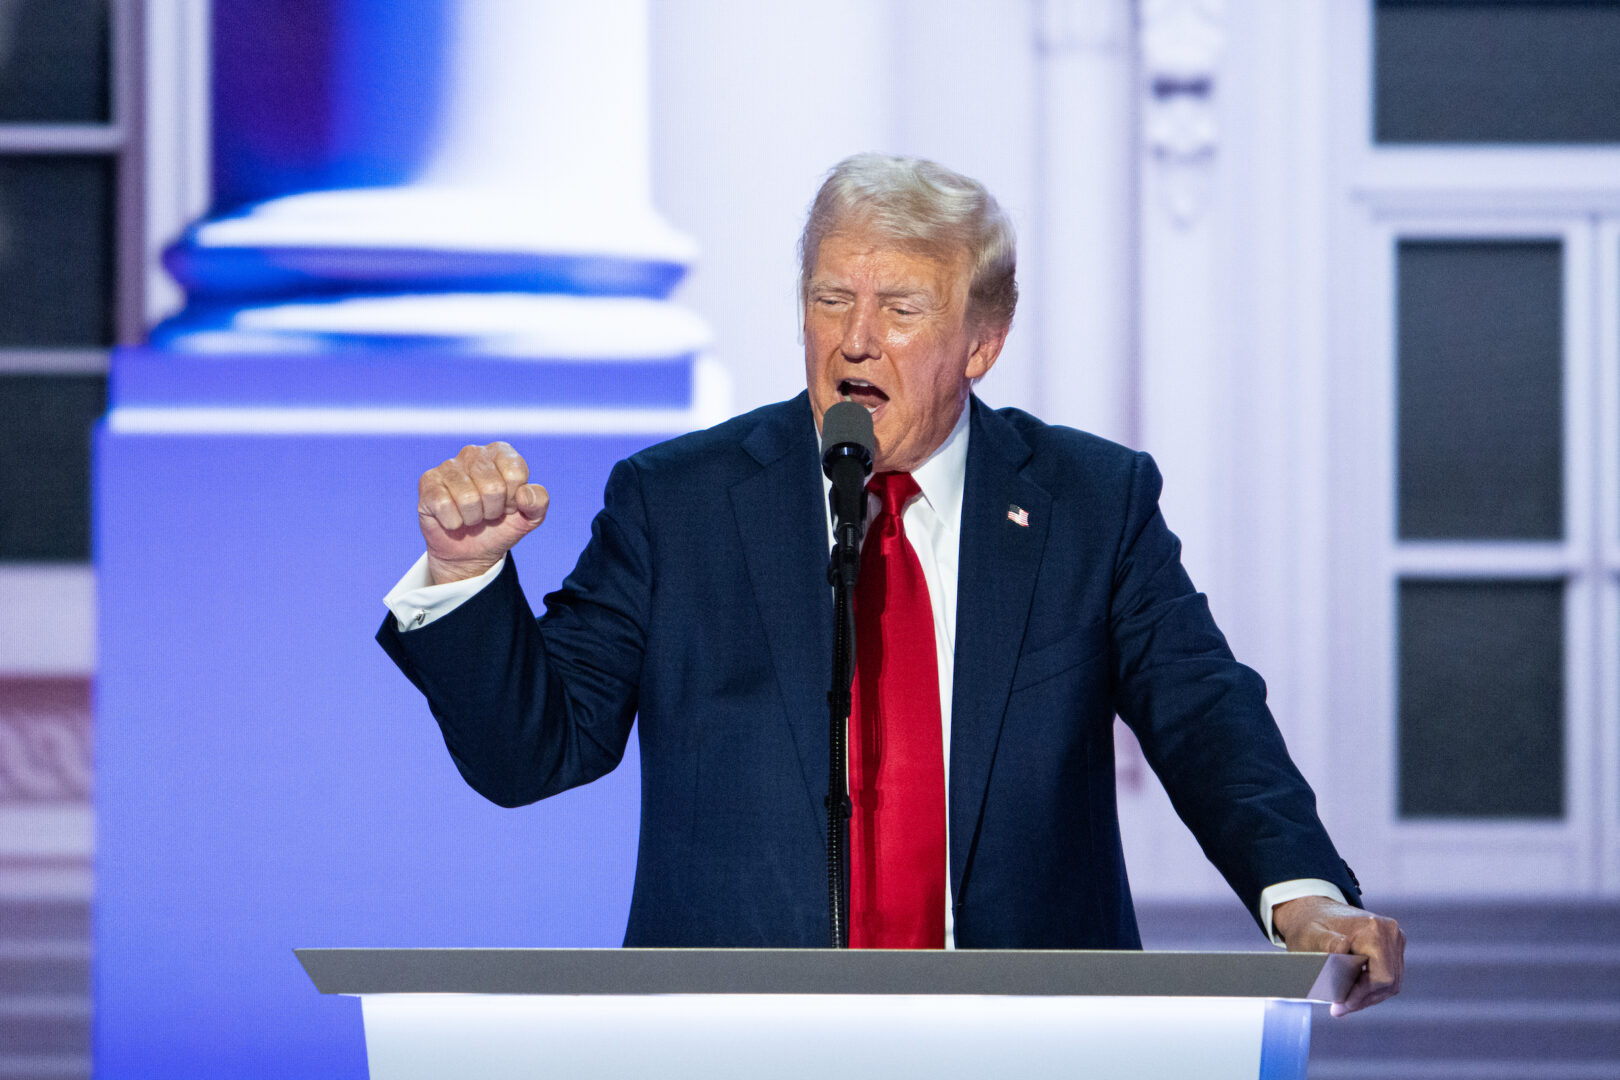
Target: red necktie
[[897, 757]]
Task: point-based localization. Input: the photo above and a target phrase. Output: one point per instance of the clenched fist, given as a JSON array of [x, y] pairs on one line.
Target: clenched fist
[[474, 507]]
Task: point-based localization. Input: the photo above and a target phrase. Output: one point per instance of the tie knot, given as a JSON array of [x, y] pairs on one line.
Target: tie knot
[[894, 490]]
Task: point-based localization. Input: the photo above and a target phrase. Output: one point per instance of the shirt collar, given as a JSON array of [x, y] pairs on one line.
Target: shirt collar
[[942, 476]]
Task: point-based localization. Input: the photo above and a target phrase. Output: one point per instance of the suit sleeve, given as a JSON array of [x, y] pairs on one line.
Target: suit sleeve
[[1202, 719], [530, 708]]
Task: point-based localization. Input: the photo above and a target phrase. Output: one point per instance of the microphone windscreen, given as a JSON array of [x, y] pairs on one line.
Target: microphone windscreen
[[847, 422]]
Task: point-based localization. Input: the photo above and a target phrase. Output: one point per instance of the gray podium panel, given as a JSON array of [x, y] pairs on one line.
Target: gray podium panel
[[1299, 976]]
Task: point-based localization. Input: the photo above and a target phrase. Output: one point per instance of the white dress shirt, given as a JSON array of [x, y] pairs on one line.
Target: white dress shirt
[[933, 524]]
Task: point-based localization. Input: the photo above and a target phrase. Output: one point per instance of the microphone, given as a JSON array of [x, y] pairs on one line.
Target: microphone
[[847, 442]]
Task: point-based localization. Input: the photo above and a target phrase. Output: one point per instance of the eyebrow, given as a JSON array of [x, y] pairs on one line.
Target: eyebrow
[[920, 295]]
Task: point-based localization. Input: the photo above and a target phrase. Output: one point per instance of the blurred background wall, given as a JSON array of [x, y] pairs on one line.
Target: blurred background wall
[[1350, 270]]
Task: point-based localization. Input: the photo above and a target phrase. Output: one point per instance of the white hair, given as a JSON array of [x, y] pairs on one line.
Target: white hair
[[918, 203]]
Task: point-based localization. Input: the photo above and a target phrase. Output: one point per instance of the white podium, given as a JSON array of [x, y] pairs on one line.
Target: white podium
[[715, 1014]]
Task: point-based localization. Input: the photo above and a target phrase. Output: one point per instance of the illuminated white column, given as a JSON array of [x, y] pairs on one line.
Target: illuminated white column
[[536, 182], [1182, 355], [1086, 246], [548, 100], [1183, 391]]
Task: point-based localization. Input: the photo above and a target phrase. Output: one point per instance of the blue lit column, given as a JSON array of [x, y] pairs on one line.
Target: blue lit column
[[432, 227], [440, 165]]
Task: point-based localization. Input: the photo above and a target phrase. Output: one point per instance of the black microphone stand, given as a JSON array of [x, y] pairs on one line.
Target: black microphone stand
[[848, 471], [842, 570]]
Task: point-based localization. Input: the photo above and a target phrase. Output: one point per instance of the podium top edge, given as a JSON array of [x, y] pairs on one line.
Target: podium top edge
[[1000, 972]]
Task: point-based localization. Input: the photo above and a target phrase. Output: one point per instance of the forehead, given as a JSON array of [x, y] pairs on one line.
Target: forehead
[[849, 254]]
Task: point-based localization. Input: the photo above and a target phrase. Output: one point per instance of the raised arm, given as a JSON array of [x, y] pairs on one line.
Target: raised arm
[[527, 708]]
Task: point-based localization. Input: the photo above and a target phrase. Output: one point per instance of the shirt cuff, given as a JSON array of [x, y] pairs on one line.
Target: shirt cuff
[[415, 601], [1284, 891]]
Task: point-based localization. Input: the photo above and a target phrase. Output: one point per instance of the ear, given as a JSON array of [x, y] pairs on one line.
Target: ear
[[987, 343]]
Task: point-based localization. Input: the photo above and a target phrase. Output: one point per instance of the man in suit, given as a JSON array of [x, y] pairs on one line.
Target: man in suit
[[1027, 562]]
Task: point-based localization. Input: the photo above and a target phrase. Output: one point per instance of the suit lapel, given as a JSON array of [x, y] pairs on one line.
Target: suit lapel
[[783, 525], [995, 585]]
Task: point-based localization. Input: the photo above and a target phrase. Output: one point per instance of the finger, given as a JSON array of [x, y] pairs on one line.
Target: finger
[[1365, 993], [1355, 999], [532, 502], [491, 487], [434, 502], [1383, 943], [1383, 976], [514, 470], [465, 494]]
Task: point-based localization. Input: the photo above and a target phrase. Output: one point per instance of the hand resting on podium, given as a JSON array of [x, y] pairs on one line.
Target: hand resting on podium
[[1318, 924]]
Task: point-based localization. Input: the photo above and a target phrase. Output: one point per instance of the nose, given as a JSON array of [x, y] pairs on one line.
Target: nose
[[860, 340]]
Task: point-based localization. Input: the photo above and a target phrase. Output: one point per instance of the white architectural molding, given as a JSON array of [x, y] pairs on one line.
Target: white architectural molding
[[45, 851], [47, 620], [1600, 770], [61, 139], [1234, 291], [46, 823], [53, 362], [1085, 245], [1513, 856], [1181, 42], [176, 152], [44, 756], [1062, 25], [710, 404]]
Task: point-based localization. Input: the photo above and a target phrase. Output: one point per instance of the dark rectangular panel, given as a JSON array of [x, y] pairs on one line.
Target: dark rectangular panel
[[1481, 699], [1480, 390], [56, 252], [45, 423], [1496, 72], [54, 62]]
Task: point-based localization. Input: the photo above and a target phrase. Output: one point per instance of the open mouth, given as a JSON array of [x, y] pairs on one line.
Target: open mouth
[[862, 393]]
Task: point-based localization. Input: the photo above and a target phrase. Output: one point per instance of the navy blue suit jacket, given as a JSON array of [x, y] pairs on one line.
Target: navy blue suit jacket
[[701, 605]]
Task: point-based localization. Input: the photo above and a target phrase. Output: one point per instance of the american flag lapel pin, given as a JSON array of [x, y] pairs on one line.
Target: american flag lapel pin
[[1018, 516]]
